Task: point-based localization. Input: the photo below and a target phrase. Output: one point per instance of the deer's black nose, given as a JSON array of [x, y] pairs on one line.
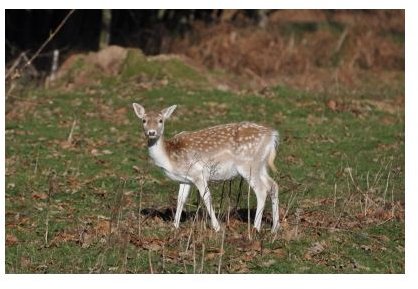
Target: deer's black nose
[[151, 133]]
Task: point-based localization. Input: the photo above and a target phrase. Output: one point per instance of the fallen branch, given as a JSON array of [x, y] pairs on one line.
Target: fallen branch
[[50, 37]]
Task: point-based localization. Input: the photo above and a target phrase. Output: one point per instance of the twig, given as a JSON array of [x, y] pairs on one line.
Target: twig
[[366, 202], [290, 202], [35, 170], [385, 221], [163, 258], [341, 40], [46, 225], [125, 260], [119, 211], [203, 258], [150, 262], [222, 252], [183, 258], [116, 210], [248, 209], [14, 65], [28, 63], [99, 264], [229, 211], [274, 237], [239, 192], [367, 180], [141, 184], [184, 265], [51, 36], [222, 199], [194, 257], [191, 229], [393, 204], [386, 188], [379, 174], [335, 197], [70, 136], [9, 91], [50, 192], [365, 195]]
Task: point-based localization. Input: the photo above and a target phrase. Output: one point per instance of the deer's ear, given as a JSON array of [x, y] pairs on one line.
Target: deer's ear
[[166, 112], [139, 110]]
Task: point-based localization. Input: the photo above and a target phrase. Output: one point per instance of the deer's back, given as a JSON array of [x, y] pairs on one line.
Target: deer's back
[[234, 138]]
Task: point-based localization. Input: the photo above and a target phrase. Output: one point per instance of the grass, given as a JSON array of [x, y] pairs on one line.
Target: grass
[[75, 207]]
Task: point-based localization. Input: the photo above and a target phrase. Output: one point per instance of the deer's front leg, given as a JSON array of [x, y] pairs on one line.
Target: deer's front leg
[[184, 190]]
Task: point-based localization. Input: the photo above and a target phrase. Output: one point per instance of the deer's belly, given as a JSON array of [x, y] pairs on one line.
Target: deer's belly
[[177, 177], [216, 171], [222, 171]]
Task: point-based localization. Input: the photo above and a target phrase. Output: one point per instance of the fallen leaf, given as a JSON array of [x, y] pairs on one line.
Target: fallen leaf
[[103, 227], [269, 263], [356, 265], [211, 256], [171, 255], [245, 245], [249, 256], [25, 261], [86, 240], [95, 152], [281, 253], [238, 267], [332, 105], [63, 237], [256, 246], [39, 196], [292, 234], [366, 247], [315, 249], [312, 120], [293, 160], [136, 169], [65, 144], [383, 238], [152, 246], [11, 240]]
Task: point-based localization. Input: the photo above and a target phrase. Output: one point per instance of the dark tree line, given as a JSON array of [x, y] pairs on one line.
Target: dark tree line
[[26, 30]]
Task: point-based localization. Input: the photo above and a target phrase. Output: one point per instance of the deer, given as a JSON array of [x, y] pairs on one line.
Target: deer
[[216, 153]]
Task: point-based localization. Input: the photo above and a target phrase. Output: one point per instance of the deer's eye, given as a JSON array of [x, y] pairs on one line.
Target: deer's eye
[[160, 121], [144, 121]]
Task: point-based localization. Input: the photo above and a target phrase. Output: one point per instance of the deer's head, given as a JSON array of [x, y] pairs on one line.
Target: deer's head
[[153, 122]]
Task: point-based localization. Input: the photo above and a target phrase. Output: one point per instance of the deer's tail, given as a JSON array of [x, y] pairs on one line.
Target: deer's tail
[[272, 153]]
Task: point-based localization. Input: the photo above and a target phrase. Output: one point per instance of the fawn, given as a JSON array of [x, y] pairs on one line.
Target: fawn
[[216, 153]]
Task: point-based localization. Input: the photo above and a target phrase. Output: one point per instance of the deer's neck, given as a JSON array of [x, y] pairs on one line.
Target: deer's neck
[[159, 154]]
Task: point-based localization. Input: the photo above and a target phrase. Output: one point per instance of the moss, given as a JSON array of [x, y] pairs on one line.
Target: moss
[[176, 69], [136, 64]]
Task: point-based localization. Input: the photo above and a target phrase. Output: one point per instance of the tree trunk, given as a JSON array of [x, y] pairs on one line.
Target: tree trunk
[[105, 30]]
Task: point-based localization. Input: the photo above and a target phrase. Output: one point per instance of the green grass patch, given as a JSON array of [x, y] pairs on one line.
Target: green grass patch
[[78, 176]]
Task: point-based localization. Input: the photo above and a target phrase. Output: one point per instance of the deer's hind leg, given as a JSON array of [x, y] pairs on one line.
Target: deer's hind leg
[[252, 176], [273, 191]]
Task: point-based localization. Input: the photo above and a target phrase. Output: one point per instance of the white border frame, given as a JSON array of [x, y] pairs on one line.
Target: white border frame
[[250, 280]]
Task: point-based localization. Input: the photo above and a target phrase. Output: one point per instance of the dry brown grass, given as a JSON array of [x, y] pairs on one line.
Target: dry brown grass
[[305, 48]]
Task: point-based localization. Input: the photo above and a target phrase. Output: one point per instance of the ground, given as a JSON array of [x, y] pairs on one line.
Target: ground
[[82, 195]]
